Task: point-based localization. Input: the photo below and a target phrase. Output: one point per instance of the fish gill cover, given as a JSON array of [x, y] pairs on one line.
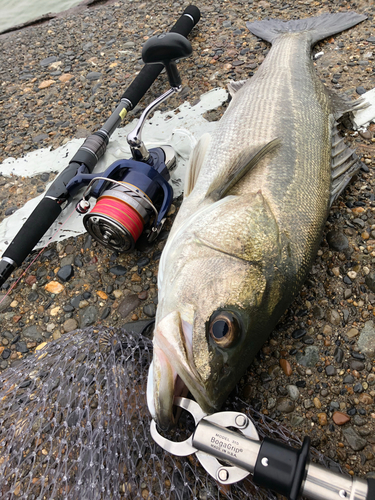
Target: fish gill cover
[[74, 425]]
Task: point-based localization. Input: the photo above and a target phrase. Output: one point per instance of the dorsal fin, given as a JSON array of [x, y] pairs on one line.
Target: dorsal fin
[[234, 87], [241, 166], [195, 164]]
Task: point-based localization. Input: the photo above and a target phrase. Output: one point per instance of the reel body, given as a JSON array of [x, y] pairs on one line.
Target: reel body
[[132, 192], [130, 195]]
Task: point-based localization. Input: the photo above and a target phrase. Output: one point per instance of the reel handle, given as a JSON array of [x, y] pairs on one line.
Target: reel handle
[[150, 72], [166, 49]]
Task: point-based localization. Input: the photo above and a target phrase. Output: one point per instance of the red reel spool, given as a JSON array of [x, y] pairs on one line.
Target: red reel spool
[[114, 223], [122, 213]]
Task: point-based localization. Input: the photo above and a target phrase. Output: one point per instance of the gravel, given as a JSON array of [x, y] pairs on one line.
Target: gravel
[[62, 78]]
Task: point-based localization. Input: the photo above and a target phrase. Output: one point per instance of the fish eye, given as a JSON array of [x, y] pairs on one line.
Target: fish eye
[[224, 328]]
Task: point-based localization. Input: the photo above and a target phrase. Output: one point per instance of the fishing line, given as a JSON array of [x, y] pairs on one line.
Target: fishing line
[[37, 256]]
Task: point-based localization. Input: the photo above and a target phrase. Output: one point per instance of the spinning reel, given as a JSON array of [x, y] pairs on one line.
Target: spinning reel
[[134, 194]]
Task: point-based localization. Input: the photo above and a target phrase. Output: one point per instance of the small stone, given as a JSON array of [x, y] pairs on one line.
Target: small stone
[[10, 210], [293, 392], [285, 405], [310, 357], [353, 332], [136, 278], [128, 304], [370, 281], [360, 90], [322, 419], [354, 440], [118, 270], [102, 295], [366, 340], [297, 334], [65, 273], [333, 317], [55, 311], [330, 370], [30, 280], [337, 241], [357, 365], [143, 295], [93, 75], [318, 312], [285, 365], [317, 403], [88, 316], [66, 77], [340, 418], [46, 83], [32, 333], [338, 355], [352, 275], [5, 302], [150, 310], [366, 399], [56, 335], [48, 60], [70, 325], [21, 347], [327, 330], [54, 287]]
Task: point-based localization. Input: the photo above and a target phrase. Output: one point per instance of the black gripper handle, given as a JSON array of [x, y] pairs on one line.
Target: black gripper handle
[[148, 74], [371, 489], [40, 220]]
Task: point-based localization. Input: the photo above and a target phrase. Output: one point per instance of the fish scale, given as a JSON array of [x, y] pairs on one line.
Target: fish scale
[[256, 201]]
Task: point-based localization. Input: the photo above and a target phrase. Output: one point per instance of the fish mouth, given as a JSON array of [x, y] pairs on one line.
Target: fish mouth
[[172, 372]]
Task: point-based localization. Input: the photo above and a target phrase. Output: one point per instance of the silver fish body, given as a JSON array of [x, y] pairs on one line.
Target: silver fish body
[[256, 201]]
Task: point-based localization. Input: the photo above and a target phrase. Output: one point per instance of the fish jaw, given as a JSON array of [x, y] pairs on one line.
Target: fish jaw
[[172, 372]]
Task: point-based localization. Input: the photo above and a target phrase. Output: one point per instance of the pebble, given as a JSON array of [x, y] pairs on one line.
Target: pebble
[[337, 241], [88, 316], [340, 418], [150, 310], [71, 113], [118, 270], [128, 305], [285, 405], [333, 317], [54, 287], [70, 325], [293, 392], [370, 281], [322, 419], [366, 340], [356, 442], [285, 365], [5, 302], [65, 273], [309, 358], [330, 370]]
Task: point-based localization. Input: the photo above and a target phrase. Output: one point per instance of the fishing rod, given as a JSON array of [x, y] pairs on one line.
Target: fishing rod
[[274, 465], [130, 193]]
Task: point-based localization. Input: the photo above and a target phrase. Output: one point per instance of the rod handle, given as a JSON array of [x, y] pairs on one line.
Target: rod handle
[[148, 74]]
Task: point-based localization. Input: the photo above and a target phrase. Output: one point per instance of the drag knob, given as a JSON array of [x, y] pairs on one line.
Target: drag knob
[[166, 49]]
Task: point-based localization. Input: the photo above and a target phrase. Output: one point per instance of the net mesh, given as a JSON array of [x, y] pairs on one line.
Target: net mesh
[[74, 424]]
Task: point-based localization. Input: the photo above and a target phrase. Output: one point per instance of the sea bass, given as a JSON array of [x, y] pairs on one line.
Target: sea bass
[[257, 196]]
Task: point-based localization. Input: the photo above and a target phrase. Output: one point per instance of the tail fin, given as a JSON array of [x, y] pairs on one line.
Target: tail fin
[[320, 27]]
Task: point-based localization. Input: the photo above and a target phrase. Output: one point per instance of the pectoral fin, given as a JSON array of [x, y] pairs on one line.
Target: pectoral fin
[[196, 161], [244, 163], [234, 87]]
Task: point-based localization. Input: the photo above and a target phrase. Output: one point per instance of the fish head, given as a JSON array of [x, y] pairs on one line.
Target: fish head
[[214, 303]]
